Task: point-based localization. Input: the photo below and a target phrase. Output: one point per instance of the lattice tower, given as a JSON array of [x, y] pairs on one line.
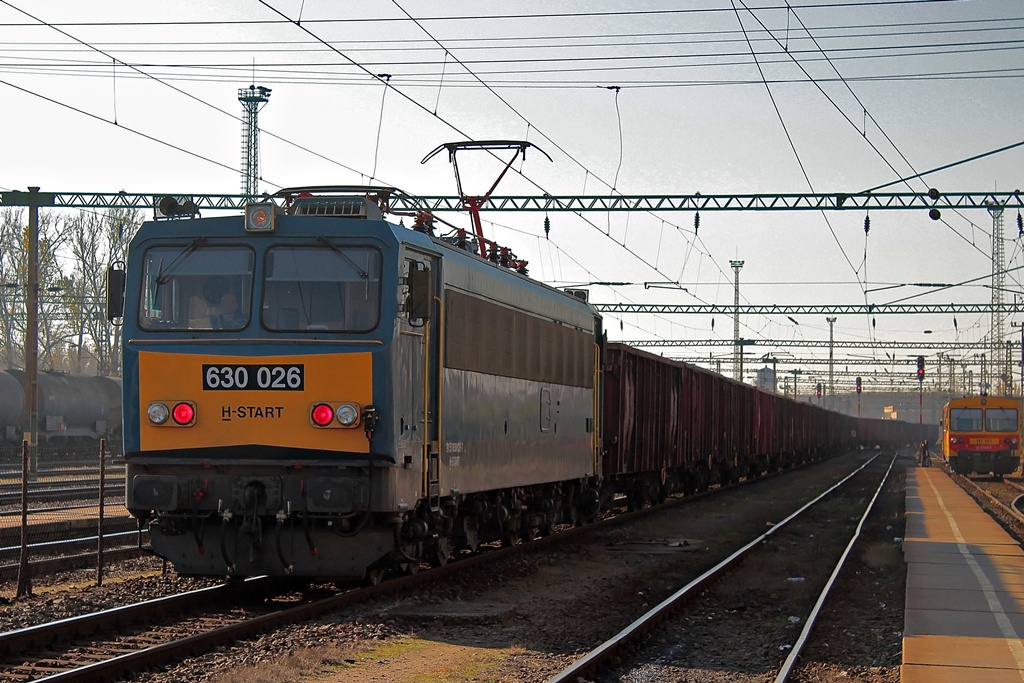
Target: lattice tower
[[997, 331], [252, 98], [737, 350]]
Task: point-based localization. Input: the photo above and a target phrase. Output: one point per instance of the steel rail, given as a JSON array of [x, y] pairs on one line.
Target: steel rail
[[798, 647], [203, 642], [50, 546], [51, 493], [967, 482], [587, 666], [9, 572], [34, 637]]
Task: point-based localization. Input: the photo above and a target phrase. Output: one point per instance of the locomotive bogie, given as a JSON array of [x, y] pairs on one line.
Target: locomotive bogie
[[294, 547], [998, 463]]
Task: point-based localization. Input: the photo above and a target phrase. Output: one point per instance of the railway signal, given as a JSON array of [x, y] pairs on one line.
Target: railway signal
[[858, 397], [920, 389]]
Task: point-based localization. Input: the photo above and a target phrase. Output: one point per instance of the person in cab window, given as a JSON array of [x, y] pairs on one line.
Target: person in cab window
[[230, 316]]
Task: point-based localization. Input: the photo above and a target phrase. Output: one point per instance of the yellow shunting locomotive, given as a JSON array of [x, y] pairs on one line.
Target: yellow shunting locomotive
[[981, 435]]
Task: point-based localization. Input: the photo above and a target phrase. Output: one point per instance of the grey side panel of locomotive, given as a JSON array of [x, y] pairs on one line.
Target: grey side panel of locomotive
[[501, 432]]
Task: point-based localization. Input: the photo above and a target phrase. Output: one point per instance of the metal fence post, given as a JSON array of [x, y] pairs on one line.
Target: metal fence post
[[99, 521], [24, 571]]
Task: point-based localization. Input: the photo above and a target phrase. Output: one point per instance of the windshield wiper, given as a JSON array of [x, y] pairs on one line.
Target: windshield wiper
[[337, 250], [164, 276]]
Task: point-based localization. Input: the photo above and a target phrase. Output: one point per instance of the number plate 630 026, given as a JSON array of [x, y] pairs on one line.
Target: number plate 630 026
[[252, 377]]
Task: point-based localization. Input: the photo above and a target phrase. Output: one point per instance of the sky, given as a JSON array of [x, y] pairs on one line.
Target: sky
[[644, 97]]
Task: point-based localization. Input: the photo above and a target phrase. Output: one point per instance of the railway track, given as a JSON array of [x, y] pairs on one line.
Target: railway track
[[707, 597], [72, 553], [84, 490], [102, 646], [108, 644], [1003, 498]]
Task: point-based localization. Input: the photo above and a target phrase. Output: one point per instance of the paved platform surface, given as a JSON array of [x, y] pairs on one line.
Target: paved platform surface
[[965, 588]]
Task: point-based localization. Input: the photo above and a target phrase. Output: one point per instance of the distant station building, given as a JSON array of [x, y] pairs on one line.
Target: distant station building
[[766, 380]]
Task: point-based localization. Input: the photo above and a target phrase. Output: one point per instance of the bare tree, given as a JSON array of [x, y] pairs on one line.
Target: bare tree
[[96, 240], [12, 283], [74, 252], [14, 240], [54, 331], [122, 224]]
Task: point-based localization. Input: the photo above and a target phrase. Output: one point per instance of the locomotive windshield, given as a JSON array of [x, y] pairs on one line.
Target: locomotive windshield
[[965, 419], [1001, 419], [196, 287], [324, 287]]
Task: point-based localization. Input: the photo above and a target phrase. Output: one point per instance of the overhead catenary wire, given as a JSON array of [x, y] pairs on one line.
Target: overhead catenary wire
[[894, 29], [179, 90], [466, 17], [691, 245], [847, 118], [525, 119], [434, 70], [792, 145]]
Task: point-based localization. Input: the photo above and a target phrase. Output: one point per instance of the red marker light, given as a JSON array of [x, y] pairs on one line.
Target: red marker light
[[323, 414], [183, 413]]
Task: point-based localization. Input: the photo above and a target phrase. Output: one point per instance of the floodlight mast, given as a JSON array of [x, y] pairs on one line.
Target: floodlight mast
[[473, 204]]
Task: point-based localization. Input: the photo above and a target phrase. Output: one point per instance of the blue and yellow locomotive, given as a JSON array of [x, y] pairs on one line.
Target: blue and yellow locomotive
[[310, 390]]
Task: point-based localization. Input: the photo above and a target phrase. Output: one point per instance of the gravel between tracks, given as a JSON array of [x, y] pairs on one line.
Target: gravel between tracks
[[564, 603]]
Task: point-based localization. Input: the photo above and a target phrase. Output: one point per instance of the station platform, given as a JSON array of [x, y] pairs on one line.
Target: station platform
[[965, 588]]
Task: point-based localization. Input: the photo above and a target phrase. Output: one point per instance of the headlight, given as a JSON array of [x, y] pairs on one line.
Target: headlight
[[260, 217], [158, 413], [348, 414]]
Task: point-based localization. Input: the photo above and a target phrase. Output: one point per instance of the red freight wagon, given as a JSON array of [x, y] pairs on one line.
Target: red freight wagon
[[669, 426]]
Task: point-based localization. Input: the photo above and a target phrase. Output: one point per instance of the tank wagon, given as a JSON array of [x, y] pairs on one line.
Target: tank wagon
[[70, 408], [312, 390]]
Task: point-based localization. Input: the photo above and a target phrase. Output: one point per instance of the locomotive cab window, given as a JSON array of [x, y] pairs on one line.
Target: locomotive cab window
[[1001, 419], [196, 287], [965, 419], [325, 287]]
